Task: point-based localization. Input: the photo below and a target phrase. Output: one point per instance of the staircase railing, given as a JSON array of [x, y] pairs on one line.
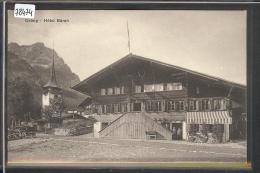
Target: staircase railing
[[125, 118], [159, 128], [110, 126]]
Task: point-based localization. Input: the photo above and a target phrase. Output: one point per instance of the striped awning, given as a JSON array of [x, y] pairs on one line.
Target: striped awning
[[210, 117]]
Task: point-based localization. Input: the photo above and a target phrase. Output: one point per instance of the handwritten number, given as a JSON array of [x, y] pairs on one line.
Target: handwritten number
[[23, 12]]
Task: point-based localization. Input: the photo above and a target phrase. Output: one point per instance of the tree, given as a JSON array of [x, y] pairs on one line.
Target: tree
[[54, 110], [21, 102]]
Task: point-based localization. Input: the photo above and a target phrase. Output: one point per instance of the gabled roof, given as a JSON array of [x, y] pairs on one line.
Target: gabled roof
[[132, 56], [85, 102]]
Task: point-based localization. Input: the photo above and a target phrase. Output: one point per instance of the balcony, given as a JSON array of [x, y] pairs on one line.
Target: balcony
[[208, 104]]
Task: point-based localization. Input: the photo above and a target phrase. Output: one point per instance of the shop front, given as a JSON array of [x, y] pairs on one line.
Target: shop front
[[208, 127]]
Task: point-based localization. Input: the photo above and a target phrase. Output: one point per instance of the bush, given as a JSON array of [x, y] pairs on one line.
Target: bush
[[191, 138], [218, 130], [192, 129], [198, 138], [204, 129], [212, 139]]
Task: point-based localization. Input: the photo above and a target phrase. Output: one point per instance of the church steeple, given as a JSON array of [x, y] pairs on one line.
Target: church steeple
[[52, 81]]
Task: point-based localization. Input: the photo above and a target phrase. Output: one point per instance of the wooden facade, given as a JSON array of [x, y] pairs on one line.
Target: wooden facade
[[135, 125], [137, 88]]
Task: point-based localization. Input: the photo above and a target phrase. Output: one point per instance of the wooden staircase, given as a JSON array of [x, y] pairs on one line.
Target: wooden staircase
[[135, 126]]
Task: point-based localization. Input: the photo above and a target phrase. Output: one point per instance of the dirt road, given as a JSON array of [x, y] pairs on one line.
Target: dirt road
[[87, 149]]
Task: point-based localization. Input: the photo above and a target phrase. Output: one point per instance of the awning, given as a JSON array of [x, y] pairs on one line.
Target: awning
[[210, 117]]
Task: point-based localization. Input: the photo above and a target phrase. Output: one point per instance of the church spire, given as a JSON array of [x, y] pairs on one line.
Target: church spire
[[53, 75], [52, 82]]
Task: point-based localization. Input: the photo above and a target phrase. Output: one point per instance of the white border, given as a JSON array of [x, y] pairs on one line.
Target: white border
[[79, 2]]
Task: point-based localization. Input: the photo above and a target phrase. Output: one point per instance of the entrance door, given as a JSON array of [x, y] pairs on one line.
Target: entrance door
[[137, 107], [176, 131]]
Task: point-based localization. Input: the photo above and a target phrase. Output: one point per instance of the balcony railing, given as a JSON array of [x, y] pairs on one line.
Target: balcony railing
[[208, 104]]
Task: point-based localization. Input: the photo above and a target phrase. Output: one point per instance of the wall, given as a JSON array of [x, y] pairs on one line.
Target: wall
[[45, 100], [97, 128]]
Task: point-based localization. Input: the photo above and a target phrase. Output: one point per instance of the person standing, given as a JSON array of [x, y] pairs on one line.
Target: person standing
[[179, 133], [173, 133]]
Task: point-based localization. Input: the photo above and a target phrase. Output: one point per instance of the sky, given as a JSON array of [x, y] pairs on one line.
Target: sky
[[210, 42]]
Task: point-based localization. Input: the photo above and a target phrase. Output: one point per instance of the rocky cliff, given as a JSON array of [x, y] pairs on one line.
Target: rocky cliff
[[39, 57], [28, 69]]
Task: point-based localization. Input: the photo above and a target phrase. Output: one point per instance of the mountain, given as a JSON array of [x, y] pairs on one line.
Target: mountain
[[20, 70], [40, 58], [28, 69], [23, 89]]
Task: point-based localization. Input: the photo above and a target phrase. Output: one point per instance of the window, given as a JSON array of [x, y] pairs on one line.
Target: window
[[191, 105], [109, 109], [138, 89], [103, 91], [179, 105], [109, 91], [178, 86], [148, 88], [216, 104], [154, 106], [174, 86], [99, 109], [103, 109], [122, 90], [117, 90], [157, 106], [158, 87], [116, 108], [169, 87], [223, 104], [123, 107], [220, 104], [170, 106], [194, 105], [148, 106], [153, 87], [205, 104]]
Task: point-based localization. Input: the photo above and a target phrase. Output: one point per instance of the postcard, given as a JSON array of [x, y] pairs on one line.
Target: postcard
[[122, 88]]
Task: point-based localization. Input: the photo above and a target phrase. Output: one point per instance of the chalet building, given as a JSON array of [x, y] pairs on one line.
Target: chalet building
[[141, 98]]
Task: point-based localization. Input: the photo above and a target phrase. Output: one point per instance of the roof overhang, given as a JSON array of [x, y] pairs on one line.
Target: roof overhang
[[85, 84]]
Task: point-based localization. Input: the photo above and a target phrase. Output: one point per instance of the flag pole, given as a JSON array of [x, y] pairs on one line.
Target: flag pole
[[129, 45]]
